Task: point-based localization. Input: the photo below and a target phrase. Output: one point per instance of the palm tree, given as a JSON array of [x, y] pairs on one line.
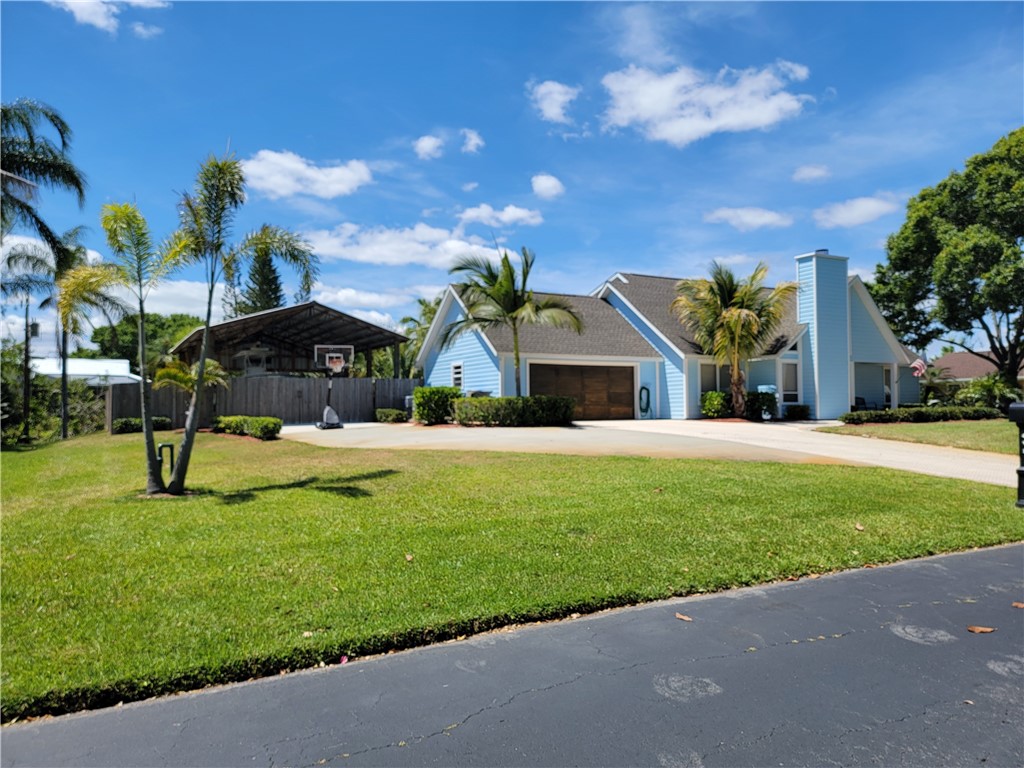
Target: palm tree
[[75, 297], [138, 267], [416, 329], [495, 296], [206, 216], [732, 319], [184, 377], [31, 160], [259, 249]]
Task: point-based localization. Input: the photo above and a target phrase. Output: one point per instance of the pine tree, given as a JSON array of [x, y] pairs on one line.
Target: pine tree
[[263, 289]]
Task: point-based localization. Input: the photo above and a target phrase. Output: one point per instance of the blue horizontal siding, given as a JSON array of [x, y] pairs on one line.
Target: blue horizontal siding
[[869, 346], [479, 365]]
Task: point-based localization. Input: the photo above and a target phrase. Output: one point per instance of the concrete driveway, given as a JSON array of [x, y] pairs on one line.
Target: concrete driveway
[[795, 442]]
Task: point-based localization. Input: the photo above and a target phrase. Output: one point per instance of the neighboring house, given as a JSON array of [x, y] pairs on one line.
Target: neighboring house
[[634, 359], [966, 366]]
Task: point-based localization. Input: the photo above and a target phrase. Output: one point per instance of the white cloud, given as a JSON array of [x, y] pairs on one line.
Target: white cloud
[[641, 29], [284, 174], [184, 296], [469, 186], [421, 244], [507, 216], [24, 241], [428, 147], [383, 319], [102, 14], [552, 99], [735, 260], [145, 31], [685, 105], [472, 141], [811, 173], [546, 186], [352, 297], [853, 213], [747, 219]]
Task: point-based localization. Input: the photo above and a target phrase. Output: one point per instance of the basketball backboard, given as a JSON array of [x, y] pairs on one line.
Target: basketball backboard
[[322, 353]]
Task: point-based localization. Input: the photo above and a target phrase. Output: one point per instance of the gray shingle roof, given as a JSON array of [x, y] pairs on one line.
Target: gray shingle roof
[[606, 333], [652, 296]]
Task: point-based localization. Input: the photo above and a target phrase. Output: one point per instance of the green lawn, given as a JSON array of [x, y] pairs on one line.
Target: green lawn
[[291, 555], [994, 435]]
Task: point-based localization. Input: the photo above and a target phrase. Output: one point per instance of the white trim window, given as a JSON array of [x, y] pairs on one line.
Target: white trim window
[[790, 383], [457, 375]]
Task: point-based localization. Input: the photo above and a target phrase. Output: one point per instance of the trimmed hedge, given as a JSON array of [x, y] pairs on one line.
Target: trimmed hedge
[[260, 427], [391, 415], [531, 411], [940, 413], [715, 405], [759, 402], [434, 405], [797, 412], [127, 426]]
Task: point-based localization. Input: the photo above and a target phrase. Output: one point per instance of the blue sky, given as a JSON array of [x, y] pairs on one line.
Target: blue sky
[[606, 137]]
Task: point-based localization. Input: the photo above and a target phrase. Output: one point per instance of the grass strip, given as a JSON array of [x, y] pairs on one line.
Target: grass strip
[[289, 555], [992, 435]]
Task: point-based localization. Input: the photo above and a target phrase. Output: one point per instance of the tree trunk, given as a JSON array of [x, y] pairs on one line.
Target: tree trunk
[[515, 353], [154, 472], [739, 393], [63, 384], [177, 484], [27, 382]]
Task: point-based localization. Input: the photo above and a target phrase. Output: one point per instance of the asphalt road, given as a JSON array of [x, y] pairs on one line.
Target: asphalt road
[[869, 667]]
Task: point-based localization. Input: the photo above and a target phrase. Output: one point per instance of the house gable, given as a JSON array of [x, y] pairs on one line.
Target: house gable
[[871, 338]]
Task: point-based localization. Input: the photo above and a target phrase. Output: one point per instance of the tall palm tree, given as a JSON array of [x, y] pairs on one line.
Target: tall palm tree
[[31, 160], [75, 298], [259, 249], [206, 216], [496, 296], [732, 319]]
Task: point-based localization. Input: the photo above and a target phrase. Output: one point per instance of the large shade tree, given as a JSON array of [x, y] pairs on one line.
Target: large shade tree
[[497, 296], [29, 160], [121, 340], [955, 270], [206, 217], [732, 319]]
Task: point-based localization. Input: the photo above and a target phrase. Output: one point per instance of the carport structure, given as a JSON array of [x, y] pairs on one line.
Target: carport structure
[[282, 341]]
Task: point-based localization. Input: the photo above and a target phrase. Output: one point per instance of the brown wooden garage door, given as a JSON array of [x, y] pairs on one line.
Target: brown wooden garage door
[[601, 392]]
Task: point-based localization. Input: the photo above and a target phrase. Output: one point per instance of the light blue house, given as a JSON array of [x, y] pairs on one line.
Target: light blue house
[[833, 351]]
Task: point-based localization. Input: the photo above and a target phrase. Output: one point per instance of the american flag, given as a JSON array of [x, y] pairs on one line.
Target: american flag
[[918, 367]]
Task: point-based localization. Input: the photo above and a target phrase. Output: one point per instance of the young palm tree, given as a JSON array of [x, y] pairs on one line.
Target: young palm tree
[[31, 160], [732, 319], [75, 297], [496, 296], [416, 329], [138, 267], [184, 377], [205, 219]]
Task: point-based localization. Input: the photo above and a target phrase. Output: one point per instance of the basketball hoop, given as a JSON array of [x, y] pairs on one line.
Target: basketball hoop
[[335, 362]]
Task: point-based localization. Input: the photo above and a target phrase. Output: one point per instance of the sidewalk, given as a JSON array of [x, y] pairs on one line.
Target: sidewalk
[[731, 441]]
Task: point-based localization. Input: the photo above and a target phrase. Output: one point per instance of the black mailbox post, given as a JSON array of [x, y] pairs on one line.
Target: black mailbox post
[[1017, 417]]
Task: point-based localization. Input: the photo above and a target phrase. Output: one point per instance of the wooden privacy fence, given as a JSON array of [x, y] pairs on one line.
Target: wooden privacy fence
[[293, 399]]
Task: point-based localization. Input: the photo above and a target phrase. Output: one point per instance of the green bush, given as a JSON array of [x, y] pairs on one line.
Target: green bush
[[989, 391], [532, 411], [260, 427], [797, 412], [919, 415], [715, 405], [127, 426], [758, 403], [391, 415], [434, 405]]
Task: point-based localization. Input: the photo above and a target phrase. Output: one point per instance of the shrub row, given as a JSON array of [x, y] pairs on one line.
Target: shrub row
[[391, 415], [940, 413], [718, 405], [260, 427], [797, 412], [531, 411], [434, 405], [126, 426]]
